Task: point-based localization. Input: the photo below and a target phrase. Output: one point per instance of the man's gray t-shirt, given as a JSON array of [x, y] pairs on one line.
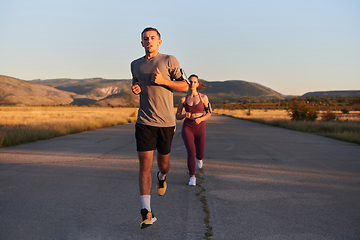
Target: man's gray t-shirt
[[156, 101]]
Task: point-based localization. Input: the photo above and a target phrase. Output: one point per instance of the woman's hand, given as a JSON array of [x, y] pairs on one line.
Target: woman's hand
[[198, 120]]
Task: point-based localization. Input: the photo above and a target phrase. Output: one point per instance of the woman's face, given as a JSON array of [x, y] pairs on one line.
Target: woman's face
[[194, 83]]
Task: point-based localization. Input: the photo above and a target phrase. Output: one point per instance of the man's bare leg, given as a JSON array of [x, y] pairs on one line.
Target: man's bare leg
[[145, 180], [163, 162], [145, 183]]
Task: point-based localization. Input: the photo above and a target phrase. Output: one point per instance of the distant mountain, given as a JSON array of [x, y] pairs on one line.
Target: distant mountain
[[99, 91], [96, 91], [333, 94], [92, 87], [233, 90], [14, 91], [218, 92], [120, 99]]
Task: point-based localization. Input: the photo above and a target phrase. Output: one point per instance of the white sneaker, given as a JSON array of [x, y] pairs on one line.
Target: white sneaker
[[192, 181], [199, 163]]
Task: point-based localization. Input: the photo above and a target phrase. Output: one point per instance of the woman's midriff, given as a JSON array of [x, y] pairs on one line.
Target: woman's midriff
[[195, 115]]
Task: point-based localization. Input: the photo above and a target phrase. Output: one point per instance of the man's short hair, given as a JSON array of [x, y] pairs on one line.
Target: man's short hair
[[150, 29]]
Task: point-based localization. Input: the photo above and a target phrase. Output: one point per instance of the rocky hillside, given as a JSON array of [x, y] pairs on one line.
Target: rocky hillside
[[104, 92], [14, 91], [234, 90], [95, 91], [91, 87], [103, 88]]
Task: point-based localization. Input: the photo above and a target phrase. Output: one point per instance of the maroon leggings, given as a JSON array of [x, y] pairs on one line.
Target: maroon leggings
[[194, 136]]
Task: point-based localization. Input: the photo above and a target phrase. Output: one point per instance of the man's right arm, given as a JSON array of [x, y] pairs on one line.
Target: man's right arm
[[135, 88]]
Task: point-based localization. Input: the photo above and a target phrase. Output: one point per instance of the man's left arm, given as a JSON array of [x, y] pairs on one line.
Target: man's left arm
[[180, 86]]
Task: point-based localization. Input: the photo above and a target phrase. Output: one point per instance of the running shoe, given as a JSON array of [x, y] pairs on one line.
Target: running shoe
[[192, 181], [161, 184], [199, 163], [148, 218]]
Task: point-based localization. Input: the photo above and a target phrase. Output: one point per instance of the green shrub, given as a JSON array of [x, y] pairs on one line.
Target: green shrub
[[299, 110], [328, 116]]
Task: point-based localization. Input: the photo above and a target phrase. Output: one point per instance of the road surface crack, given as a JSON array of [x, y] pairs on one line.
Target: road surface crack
[[208, 233]]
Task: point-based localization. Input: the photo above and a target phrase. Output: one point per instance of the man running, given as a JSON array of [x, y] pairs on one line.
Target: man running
[[153, 79]]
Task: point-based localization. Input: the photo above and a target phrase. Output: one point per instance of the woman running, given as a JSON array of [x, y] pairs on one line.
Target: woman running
[[194, 128]]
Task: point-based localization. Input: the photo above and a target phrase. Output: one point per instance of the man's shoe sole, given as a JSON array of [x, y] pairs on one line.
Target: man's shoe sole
[[146, 223]]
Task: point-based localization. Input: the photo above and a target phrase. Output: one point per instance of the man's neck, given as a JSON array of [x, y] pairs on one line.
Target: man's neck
[[151, 55]]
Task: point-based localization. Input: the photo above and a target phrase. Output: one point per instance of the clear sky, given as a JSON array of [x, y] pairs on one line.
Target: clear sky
[[291, 46]]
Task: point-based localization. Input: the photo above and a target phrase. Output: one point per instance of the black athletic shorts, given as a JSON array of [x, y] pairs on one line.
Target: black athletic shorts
[[149, 138]]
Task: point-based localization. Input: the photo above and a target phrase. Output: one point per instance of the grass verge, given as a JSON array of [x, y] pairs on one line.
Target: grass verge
[[344, 131], [19, 125], [348, 131]]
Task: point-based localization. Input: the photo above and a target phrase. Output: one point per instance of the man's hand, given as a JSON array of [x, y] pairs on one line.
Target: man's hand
[[158, 78], [136, 88], [188, 115]]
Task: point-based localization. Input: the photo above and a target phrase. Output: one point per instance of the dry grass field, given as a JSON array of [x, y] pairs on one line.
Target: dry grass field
[[345, 128], [27, 124], [269, 115]]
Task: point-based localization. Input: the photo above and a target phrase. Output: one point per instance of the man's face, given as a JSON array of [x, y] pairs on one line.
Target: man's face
[[151, 41]]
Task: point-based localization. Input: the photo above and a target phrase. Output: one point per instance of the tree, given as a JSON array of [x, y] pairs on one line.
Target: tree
[[299, 110]]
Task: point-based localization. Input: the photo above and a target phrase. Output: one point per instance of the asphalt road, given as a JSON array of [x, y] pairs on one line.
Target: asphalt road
[[260, 182]]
